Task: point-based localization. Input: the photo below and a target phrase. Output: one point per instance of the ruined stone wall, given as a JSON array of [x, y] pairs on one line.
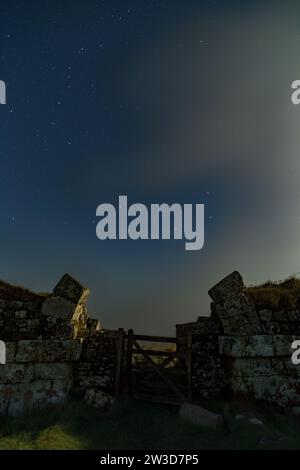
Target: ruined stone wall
[[52, 348], [96, 368], [251, 347], [208, 367]]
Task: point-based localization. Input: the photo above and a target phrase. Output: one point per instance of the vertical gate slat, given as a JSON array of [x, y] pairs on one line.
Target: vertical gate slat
[[128, 366], [189, 367], [119, 358]]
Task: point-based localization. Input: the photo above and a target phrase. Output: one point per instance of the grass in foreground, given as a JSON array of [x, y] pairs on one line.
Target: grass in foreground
[[135, 425]]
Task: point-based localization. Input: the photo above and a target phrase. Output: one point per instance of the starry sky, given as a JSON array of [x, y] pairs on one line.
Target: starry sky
[[164, 101]]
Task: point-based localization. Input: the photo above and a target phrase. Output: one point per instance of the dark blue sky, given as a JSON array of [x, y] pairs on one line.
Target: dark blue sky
[[165, 101]]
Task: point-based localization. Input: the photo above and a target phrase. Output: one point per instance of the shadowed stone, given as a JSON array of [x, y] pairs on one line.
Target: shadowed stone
[[228, 287], [48, 350], [60, 308], [238, 315], [53, 371], [38, 394], [5, 393], [71, 290], [200, 416], [252, 367], [16, 373], [247, 346], [98, 399], [10, 352]]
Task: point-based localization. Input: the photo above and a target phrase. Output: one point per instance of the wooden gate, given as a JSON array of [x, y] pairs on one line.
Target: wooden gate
[[154, 368]]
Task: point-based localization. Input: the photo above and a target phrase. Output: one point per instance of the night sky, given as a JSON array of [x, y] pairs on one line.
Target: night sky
[[163, 101]]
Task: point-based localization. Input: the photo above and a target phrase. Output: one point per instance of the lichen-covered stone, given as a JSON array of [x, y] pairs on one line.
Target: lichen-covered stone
[[44, 358], [5, 393], [252, 367], [93, 382], [238, 315], [10, 348], [93, 325], [228, 287], [48, 350], [16, 373], [38, 394], [283, 344], [98, 399], [247, 346], [273, 388], [53, 371], [57, 328], [71, 290], [59, 307], [204, 325]]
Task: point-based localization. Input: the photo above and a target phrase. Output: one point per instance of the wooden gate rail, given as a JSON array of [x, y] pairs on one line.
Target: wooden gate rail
[[128, 344]]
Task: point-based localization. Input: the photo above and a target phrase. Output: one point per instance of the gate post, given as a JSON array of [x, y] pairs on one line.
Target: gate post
[[128, 366], [119, 362], [189, 367]]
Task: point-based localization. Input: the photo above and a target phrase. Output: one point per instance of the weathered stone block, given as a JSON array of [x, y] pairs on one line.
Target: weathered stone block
[[241, 325], [204, 325], [52, 327], [238, 315], [247, 346], [71, 290], [252, 367], [59, 307], [200, 416], [286, 316], [94, 382], [10, 352], [14, 304], [48, 350], [228, 287], [5, 392], [38, 394], [98, 399], [276, 389], [283, 344], [53, 371], [283, 366], [239, 304], [93, 325], [21, 314], [16, 373]]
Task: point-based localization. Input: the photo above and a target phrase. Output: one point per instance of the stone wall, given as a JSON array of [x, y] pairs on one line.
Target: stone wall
[[52, 348], [243, 349], [208, 367]]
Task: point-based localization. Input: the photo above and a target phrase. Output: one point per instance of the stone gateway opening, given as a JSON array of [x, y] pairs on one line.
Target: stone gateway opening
[[54, 350]]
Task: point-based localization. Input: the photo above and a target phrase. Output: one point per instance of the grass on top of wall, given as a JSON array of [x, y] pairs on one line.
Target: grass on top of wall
[[282, 295], [11, 292]]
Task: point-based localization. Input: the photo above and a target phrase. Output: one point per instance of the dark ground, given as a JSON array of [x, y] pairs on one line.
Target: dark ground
[[136, 425]]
